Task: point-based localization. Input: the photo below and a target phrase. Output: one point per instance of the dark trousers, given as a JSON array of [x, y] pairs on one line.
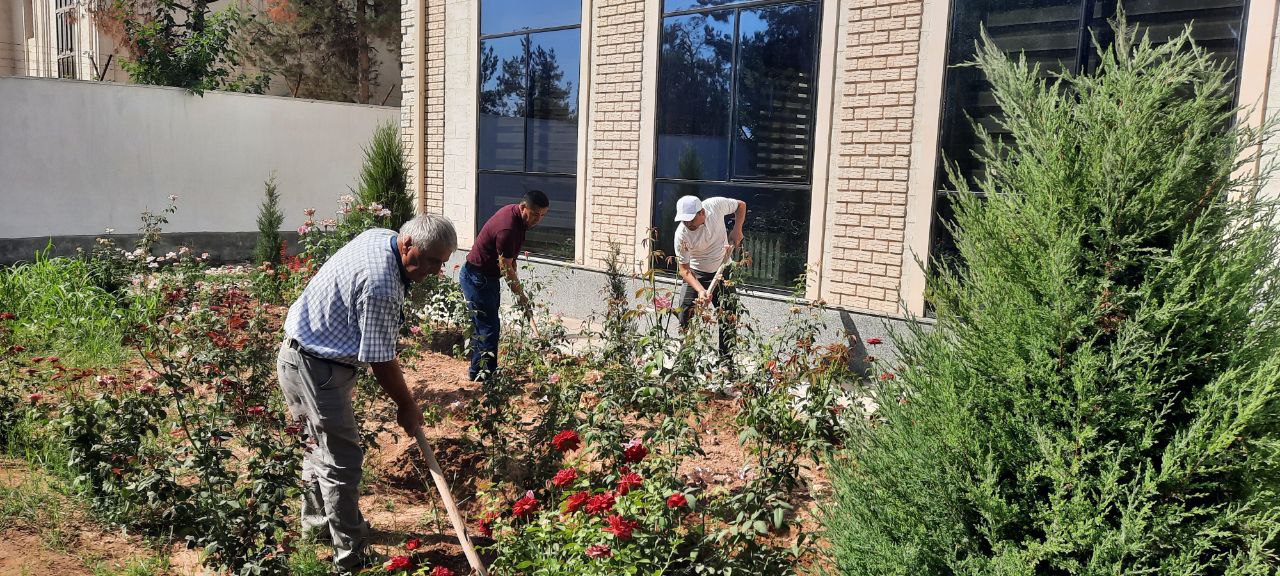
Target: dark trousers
[[728, 330], [483, 295]]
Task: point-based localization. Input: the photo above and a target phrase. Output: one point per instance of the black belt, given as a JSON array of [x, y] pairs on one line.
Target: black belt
[[303, 351]]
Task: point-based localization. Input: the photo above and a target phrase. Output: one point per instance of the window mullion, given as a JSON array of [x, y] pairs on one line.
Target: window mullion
[[1082, 39], [732, 132]]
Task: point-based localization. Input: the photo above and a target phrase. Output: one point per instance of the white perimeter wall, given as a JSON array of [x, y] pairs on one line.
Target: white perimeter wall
[[79, 157]]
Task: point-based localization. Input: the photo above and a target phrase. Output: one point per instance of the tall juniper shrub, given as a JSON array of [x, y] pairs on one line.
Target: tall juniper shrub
[[1101, 393]]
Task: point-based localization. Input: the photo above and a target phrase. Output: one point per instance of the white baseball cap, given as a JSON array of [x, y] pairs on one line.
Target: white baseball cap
[[687, 207]]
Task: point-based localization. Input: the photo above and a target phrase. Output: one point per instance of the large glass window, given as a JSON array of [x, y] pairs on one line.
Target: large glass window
[[528, 105], [735, 116], [1056, 34]]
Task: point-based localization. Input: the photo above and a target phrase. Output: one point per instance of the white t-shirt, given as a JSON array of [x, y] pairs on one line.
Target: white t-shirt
[[703, 249]]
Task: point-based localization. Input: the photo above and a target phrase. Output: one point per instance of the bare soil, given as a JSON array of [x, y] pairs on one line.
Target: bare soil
[[399, 499]]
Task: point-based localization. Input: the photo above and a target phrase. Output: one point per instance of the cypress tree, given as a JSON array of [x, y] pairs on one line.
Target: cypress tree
[[384, 178], [270, 218], [1101, 391]]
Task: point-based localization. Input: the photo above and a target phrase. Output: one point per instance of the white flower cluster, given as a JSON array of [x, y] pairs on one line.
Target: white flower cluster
[[444, 309]]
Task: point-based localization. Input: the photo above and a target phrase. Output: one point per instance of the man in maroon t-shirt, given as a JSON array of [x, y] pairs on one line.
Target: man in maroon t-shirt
[[493, 256]]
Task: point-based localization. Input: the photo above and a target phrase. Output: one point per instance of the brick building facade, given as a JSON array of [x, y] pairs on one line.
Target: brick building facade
[[866, 118]]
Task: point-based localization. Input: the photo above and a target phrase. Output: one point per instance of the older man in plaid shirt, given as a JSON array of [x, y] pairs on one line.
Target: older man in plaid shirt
[[349, 316]]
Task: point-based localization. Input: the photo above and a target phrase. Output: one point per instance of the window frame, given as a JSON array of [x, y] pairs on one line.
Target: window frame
[[1084, 47], [764, 182], [476, 175]]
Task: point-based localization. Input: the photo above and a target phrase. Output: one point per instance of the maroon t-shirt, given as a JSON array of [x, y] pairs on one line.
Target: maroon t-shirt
[[502, 234]]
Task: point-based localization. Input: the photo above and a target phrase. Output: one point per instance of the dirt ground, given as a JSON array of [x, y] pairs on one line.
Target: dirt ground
[[398, 499]]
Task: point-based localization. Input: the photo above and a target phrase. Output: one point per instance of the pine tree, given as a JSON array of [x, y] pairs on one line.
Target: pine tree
[[323, 50], [270, 218], [1101, 391]]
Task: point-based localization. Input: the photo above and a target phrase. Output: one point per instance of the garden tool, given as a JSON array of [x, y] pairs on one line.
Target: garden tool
[[715, 282], [455, 517]]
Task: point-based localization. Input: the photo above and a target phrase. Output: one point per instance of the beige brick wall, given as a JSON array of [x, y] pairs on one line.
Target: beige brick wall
[[435, 107], [408, 84], [867, 195], [433, 159], [613, 155]]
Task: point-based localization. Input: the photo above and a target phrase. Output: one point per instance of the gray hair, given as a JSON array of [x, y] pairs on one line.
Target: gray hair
[[430, 231]]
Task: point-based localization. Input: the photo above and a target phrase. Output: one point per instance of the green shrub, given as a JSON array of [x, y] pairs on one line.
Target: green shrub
[[384, 180], [270, 218], [1101, 392], [60, 310]]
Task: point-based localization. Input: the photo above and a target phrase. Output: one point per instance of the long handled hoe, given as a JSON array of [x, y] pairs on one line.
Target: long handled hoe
[[728, 259], [455, 517]]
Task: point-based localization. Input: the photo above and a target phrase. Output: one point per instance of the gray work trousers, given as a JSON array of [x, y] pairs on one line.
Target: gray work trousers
[[319, 393]]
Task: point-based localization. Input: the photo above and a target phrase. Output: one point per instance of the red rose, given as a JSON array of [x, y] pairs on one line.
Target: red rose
[[146, 388], [620, 527], [574, 503], [257, 410], [35, 397], [53, 359], [677, 500], [412, 544], [441, 571], [566, 441], [565, 477], [7, 316], [873, 340], [485, 527], [886, 376], [628, 481], [525, 506], [599, 551], [600, 503], [38, 359], [634, 451], [17, 348], [397, 563]]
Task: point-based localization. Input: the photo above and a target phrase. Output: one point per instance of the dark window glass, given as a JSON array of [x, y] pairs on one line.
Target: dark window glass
[[553, 236], [528, 106], [501, 16], [1047, 31], [694, 96], [503, 107], [1058, 35], [669, 6], [777, 61], [553, 101], [735, 111], [777, 227], [1217, 24]]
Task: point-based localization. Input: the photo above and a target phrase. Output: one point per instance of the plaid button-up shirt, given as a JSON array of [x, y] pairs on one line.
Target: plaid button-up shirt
[[351, 309]]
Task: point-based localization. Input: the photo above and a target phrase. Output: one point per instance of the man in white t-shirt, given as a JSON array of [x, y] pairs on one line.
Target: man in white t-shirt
[[701, 244]]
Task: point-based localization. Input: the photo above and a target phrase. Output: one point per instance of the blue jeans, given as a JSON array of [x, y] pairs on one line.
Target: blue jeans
[[483, 295]]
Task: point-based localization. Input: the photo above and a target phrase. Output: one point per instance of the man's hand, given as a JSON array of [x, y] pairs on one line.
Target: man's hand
[[409, 416], [704, 297], [391, 378], [735, 237]]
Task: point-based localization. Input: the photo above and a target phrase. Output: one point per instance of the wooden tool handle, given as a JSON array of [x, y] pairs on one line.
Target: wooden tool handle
[[455, 517]]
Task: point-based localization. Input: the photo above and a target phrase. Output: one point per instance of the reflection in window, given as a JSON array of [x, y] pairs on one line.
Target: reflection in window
[[504, 16], [735, 118], [554, 235], [1050, 34], [528, 106]]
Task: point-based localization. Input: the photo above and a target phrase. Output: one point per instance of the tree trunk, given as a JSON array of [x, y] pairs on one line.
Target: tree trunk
[[362, 54]]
